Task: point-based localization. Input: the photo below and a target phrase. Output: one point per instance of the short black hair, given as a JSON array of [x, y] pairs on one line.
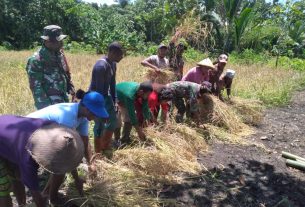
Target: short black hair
[[115, 47], [146, 86], [80, 94], [165, 94]]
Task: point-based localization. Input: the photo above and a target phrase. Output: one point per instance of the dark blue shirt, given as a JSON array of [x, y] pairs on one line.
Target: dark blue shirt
[[103, 77]]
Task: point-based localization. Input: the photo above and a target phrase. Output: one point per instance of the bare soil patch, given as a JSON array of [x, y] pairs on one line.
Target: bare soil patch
[[253, 174]]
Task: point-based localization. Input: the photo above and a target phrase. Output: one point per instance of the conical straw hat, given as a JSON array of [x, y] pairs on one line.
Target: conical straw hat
[[56, 148], [207, 63]]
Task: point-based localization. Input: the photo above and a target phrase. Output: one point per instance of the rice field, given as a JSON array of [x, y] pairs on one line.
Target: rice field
[[134, 176]]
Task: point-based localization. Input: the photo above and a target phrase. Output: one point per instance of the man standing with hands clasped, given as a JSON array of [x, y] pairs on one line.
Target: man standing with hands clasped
[[48, 71], [103, 80]]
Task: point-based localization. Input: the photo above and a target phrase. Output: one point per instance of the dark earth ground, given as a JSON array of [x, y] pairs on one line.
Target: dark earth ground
[[255, 174]]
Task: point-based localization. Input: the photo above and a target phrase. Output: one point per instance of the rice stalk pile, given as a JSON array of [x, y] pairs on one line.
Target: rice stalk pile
[[163, 77], [249, 110], [220, 114], [194, 30], [135, 175], [229, 120]]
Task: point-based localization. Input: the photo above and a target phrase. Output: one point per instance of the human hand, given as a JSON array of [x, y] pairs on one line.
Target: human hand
[[158, 70], [141, 135], [92, 171]]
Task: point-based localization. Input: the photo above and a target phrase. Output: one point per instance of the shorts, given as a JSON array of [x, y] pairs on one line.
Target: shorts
[[5, 179], [111, 125], [123, 116]]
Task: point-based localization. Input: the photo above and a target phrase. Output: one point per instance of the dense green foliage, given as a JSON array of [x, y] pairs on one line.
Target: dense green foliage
[[207, 25]]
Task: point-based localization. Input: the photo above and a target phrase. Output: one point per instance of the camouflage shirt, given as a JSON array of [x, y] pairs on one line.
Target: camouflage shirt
[[187, 90], [176, 61], [49, 78]]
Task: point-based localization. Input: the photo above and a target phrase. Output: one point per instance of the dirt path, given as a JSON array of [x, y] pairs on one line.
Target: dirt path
[[253, 175]]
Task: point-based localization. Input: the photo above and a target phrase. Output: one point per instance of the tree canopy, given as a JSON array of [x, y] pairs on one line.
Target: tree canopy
[[207, 25]]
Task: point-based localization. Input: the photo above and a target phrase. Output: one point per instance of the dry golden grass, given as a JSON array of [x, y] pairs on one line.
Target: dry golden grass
[[135, 175]]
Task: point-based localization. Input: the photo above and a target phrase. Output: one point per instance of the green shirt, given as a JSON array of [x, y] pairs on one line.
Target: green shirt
[[126, 95]]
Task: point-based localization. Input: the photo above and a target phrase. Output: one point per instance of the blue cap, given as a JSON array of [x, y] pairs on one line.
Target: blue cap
[[95, 103]]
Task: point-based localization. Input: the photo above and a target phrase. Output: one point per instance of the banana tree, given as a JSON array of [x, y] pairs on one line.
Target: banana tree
[[241, 23], [236, 20]]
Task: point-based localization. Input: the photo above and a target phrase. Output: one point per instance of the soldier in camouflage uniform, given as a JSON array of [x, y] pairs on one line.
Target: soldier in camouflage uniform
[[175, 52], [187, 93], [48, 72], [176, 62]]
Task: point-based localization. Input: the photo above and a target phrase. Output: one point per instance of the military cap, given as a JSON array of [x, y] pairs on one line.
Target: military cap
[[53, 32]]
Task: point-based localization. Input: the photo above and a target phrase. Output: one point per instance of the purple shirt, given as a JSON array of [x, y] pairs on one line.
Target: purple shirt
[[195, 75], [15, 132]]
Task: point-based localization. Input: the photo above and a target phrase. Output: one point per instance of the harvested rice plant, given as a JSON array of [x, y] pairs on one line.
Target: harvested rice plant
[[135, 176]]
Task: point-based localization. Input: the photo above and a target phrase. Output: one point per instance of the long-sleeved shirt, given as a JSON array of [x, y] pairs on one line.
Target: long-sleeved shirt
[[127, 94], [15, 131], [49, 78], [195, 75], [187, 90], [103, 78]]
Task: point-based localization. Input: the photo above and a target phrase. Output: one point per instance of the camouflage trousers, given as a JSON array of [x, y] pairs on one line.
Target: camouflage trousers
[[183, 107]]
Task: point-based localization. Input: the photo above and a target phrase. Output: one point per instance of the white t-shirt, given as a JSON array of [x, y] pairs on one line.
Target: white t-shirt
[[161, 63]]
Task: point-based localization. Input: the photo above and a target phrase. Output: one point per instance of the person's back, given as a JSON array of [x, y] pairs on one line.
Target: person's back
[[13, 144], [184, 88], [126, 91], [65, 114]]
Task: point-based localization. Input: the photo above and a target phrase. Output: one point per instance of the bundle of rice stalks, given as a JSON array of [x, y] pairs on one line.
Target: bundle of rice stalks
[[249, 110], [222, 115], [135, 175], [196, 31], [118, 186], [163, 77]]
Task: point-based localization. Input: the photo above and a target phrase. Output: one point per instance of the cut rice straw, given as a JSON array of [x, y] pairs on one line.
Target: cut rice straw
[[163, 77], [136, 175]]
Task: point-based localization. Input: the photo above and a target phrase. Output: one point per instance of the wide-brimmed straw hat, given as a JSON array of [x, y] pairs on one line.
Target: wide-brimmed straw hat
[[207, 63], [56, 148]]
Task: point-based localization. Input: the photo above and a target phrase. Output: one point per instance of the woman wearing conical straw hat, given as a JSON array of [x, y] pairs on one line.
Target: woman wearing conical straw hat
[[200, 73], [26, 145]]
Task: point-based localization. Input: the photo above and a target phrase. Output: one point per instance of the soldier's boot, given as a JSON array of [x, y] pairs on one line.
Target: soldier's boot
[[125, 140]]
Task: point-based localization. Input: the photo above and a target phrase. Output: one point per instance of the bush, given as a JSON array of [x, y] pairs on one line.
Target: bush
[[192, 55], [291, 63], [75, 47], [6, 46], [249, 57]]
